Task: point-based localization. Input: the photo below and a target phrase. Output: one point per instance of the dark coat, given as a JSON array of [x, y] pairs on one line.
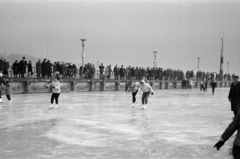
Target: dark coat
[[121, 72], [15, 68], [213, 84], [6, 66], [234, 93], [101, 68], [44, 69], [48, 67], [22, 66], [235, 125], [234, 96], [38, 67], [1, 65], [30, 67], [115, 70]]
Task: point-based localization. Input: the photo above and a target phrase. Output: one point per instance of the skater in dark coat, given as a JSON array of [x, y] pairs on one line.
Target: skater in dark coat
[[213, 85], [235, 125], [234, 95]]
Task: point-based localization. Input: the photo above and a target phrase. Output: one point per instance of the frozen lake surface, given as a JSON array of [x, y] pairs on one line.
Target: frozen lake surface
[[178, 124]]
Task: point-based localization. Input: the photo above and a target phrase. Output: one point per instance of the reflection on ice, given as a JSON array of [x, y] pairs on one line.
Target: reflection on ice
[[177, 124]]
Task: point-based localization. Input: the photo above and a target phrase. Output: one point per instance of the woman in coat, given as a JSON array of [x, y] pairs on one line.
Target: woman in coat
[[15, 68], [30, 72]]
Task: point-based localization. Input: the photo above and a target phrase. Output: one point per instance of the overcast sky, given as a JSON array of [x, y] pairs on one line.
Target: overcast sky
[[126, 32]]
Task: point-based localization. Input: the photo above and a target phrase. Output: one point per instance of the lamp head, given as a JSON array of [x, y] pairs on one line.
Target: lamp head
[[83, 41]]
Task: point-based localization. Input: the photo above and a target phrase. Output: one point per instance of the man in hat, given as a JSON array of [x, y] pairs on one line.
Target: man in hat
[[1, 81], [22, 66], [234, 95]]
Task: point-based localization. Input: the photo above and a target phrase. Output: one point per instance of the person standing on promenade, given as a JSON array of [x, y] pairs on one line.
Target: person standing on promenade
[[234, 95], [23, 66], [235, 125], [38, 68], [1, 81], [30, 71], [115, 70], [101, 69], [15, 68], [6, 67], [107, 72]]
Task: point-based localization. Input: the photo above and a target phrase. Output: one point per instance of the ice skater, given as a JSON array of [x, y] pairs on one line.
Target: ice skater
[[202, 86], [2, 81], [134, 89], [8, 91], [235, 125], [206, 85], [147, 90], [213, 85], [56, 90]]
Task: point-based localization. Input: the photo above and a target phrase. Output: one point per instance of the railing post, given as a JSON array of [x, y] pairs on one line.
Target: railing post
[[27, 86]]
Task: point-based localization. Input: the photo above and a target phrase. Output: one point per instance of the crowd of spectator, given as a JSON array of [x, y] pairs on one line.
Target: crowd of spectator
[[150, 73], [46, 69]]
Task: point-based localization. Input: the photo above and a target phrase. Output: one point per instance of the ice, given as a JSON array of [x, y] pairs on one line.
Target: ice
[[177, 124]]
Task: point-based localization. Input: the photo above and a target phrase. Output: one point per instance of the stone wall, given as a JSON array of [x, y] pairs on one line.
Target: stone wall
[[26, 85]]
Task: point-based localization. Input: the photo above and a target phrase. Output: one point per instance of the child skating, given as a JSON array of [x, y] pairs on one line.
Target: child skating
[[56, 90], [147, 90], [134, 89]]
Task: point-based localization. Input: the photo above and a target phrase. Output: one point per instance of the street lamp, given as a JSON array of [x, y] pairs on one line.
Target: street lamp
[[198, 67], [155, 61], [228, 67], [83, 41]]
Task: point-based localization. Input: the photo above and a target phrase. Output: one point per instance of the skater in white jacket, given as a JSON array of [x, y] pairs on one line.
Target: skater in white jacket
[[147, 90], [56, 90]]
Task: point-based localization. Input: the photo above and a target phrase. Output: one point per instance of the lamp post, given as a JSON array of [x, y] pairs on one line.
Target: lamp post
[[198, 67], [83, 41], [228, 67], [155, 61]]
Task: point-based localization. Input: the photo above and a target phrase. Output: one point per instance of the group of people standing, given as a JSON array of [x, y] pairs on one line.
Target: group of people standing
[[20, 68], [46, 69], [132, 72]]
